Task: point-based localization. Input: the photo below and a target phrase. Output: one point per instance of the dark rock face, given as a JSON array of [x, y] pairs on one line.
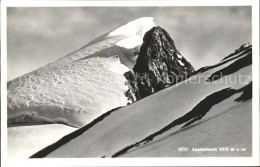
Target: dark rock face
[[158, 65]]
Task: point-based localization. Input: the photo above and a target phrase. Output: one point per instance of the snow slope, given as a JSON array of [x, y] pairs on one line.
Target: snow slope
[[23, 141], [80, 86], [210, 109]]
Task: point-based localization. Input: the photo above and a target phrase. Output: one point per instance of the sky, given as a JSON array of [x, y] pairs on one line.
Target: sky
[[38, 36]]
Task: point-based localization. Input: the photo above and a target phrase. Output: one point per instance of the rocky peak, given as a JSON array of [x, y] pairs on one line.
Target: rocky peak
[[158, 65]]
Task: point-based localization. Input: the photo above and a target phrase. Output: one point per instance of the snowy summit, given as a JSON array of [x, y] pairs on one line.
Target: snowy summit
[[80, 86]]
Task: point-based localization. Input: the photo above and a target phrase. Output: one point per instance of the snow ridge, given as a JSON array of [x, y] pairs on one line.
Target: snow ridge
[[80, 86]]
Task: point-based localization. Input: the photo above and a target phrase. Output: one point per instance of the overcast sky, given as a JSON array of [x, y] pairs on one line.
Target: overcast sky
[[204, 35]]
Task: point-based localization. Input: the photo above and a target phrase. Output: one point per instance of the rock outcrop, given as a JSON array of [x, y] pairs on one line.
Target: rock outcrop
[[158, 65]]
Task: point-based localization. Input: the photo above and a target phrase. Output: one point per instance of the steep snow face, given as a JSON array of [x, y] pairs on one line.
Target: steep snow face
[[133, 31], [137, 27], [204, 111], [124, 39], [119, 68], [80, 86]]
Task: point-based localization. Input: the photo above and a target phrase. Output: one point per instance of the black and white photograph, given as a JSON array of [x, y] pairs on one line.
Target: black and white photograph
[[130, 80]]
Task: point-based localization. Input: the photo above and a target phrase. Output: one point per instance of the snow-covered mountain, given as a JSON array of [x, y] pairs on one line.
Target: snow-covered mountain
[[80, 86], [210, 110]]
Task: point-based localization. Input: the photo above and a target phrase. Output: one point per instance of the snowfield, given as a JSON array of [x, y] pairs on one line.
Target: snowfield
[[204, 111], [23, 141]]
